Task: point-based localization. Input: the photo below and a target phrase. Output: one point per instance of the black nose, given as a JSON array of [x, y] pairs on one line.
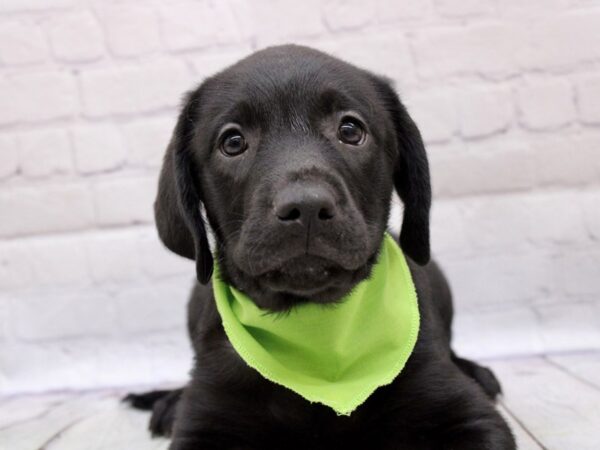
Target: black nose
[[298, 203]]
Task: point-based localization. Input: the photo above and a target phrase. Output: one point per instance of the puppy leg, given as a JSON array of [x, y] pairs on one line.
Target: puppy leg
[[163, 414], [482, 375], [206, 421], [480, 427], [163, 405], [448, 411], [194, 444], [468, 420]]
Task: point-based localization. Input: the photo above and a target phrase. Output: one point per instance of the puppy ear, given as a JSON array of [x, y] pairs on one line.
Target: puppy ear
[[177, 206], [411, 177]]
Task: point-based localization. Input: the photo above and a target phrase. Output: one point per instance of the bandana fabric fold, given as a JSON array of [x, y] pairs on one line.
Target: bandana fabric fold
[[337, 355]]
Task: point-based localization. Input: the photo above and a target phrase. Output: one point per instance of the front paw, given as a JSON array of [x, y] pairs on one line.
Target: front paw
[[195, 446], [491, 439], [162, 404], [163, 414], [206, 444]]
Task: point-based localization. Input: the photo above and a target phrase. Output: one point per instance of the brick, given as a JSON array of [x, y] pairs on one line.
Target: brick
[[157, 261], [556, 218], [566, 159], [441, 151], [579, 3], [166, 83], [200, 24], [347, 15], [113, 257], [15, 270], [110, 91], [434, 112], [39, 318], [562, 41], [38, 96], [76, 37], [483, 332], [514, 223], [591, 210], [9, 97], [34, 5], [21, 42], [9, 160], [42, 262], [19, 358], [98, 148], [206, 65], [147, 141], [448, 234], [462, 8], [300, 21], [125, 201], [393, 11], [484, 111], [518, 9], [500, 279], [153, 307], [483, 167], [45, 152], [372, 53], [30, 210], [91, 364], [132, 89], [498, 223], [5, 331], [57, 261], [545, 104], [131, 30], [588, 99], [450, 51], [578, 272]]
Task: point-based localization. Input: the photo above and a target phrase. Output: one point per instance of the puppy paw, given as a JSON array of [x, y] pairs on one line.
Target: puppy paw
[[163, 414], [162, 404], [488, 381], [145, 401], [482, 375]]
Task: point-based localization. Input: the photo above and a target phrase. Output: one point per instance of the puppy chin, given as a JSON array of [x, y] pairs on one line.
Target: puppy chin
[[307, 276], [298, 280], [280, 274], [289, 291]]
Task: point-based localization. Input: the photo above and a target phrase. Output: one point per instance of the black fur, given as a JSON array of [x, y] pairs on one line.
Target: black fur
[[288, 101], [411, 177]]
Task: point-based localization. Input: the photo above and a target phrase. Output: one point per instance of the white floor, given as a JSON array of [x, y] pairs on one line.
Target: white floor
[[551, 403]]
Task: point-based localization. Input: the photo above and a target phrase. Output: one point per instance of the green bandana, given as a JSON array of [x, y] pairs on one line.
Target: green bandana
[[338, 354]]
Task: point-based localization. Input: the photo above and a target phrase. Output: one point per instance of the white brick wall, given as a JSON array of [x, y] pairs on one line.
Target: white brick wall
[[507, 94]]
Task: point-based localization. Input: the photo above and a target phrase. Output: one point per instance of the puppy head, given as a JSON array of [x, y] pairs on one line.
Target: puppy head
[[294, 155]]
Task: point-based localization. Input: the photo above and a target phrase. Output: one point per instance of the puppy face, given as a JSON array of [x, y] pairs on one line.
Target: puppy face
[[295, 155]]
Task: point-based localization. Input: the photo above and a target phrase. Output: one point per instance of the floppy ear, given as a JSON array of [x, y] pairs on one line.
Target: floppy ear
[[177, 206], [411, 177]]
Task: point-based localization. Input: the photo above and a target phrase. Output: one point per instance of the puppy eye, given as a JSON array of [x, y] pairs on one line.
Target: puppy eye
[[233, 143], [351, 132]]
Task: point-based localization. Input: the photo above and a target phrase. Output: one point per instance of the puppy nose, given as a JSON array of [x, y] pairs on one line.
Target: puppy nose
[[304, 203]]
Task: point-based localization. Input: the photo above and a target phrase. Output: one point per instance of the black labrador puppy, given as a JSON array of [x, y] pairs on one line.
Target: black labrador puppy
[[294, 155]]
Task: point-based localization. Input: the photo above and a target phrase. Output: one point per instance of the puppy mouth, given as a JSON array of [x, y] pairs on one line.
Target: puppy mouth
[[304, 275]]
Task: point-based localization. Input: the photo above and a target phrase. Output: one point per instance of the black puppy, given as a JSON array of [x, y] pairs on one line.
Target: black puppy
[[294, 155]]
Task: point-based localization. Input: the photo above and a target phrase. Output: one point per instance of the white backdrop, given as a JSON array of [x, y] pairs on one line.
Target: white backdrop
[[507, 95]]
